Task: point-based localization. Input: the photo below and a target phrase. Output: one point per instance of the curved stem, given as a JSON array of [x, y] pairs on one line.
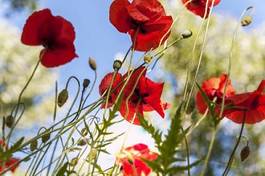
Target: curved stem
[[209, 153], [228, 166]]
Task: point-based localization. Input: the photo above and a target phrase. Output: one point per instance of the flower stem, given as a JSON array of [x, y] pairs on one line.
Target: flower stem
[[228, 166]]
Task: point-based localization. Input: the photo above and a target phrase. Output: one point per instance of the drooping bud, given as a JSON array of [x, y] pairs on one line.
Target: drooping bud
[[117, 65], [62, 98], [92, 63], [246, 20], [9, 121], [33, 145], [82, 142], [86, 83], [46, 136], [147, 59], [93, 153], [74, 161], [186, 34], [84, 132], [244, 153]]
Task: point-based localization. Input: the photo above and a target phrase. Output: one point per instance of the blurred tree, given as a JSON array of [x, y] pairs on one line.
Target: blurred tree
[[19, 5], [248, 69], [16, 64]]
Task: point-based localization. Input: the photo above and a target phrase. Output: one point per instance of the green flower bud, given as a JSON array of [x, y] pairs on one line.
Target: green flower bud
[[9, 121], [33, 145], [246, 20], [186, 34], [46, 136], [244, 153], [62, 98], [117, 65], [86, 83], [92, 64]]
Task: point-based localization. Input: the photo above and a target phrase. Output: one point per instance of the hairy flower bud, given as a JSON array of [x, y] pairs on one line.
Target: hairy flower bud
[[9, 121], [33, 145], [86, 83], [62, 98], [84, 132], [186, 34], [147, 59], [117, 65], [46, 136], [244, 153], [82, 142], [92, 63], [74, 161], [246, 20]]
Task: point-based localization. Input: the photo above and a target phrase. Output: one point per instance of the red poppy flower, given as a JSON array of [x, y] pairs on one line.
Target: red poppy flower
[[131, 160], [144, 20], [250, 103], [200, 7], [54, 33], [11, 163], [141, 94], [105, 84], [214, 88]]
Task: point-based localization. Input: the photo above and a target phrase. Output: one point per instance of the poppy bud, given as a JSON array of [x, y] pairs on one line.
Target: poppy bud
[[92, 154], [9, 121], [45, 137], [62, 98], [86, 83], [246, 20], [117, 65], [33, 145], [147, 59], [82, 142], [244, 153], [74, 161], [92, 63], [84, 132], [186, 34]]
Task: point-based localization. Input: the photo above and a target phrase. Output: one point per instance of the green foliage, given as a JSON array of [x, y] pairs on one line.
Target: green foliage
[[168, 158]]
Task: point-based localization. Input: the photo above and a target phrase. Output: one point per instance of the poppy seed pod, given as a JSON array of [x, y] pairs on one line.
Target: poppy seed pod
[[186, 34], [62, 98], [92, 63], [86, 83], [117, 65], [9, 121]]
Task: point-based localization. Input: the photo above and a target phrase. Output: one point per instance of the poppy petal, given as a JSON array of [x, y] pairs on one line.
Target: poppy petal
[[152, 34], [119, 16], [151, 8], [34, 24], [62, 54]]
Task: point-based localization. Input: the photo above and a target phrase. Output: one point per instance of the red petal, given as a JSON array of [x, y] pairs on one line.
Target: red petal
[[61, 54], [151, 8], [34, 24], [136, 14], [154, 92], [67, 31], [119, 16], [152, 34], [198, 8], [130, 110], [200, 103], [105, 84]]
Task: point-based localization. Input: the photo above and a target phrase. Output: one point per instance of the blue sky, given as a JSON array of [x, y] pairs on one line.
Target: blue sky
[[96, 37]]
